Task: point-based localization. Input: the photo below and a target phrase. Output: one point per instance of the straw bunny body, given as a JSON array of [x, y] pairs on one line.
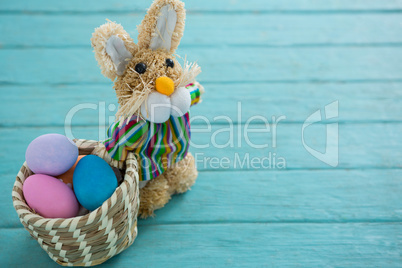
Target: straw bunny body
[[155, 94]]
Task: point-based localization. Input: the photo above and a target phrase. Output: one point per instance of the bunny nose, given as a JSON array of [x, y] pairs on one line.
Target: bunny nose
[[164, 85]]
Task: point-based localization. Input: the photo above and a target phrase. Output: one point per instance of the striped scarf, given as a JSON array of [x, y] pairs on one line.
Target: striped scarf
[[156, 146]]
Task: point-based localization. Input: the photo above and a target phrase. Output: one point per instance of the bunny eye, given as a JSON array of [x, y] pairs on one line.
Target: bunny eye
[[169, 63], [140, 68]]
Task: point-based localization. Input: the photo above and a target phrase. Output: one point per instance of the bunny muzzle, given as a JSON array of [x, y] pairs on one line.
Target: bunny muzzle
[[166, 101]]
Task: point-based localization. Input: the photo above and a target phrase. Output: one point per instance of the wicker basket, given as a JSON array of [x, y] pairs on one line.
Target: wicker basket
[[90, 239]]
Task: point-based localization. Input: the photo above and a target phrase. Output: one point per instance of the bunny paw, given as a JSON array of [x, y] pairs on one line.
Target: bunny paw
[[153, 196], [182, 176]]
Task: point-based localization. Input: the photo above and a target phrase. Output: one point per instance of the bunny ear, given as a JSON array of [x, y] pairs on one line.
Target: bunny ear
[[113, 49], [163, 26]]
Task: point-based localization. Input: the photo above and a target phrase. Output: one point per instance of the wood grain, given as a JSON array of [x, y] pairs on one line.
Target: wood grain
[[270, 196], [360, 145], [239, 245], [277, 58], [342, 64], [260, 29], [206, 5], [359, 103]]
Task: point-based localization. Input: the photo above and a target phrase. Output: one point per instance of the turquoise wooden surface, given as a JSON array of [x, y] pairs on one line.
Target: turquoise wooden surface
[[276, 58]]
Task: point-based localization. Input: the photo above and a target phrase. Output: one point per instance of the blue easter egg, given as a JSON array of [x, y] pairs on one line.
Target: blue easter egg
[[94, 181]]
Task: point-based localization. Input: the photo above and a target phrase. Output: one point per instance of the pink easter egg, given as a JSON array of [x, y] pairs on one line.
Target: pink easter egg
[[50, 197]]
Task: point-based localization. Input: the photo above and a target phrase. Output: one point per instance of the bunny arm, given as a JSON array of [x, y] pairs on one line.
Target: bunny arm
[[196, 90]]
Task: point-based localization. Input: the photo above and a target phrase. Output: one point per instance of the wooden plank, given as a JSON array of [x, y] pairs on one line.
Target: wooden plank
[[251, 29], [206, 5], [237, 245], [319, 196], [288, 58], [233, 64], [361, 102], [287, 196], [360, 145]]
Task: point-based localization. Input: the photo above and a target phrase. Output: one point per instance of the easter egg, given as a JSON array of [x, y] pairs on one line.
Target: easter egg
[[51, 154], [118, 175], [94, 182], [82, 211], [49, 197], [67, 177]]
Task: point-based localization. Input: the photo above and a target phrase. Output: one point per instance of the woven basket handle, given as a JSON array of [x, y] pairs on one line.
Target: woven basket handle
[[86, 146], [97, 148]]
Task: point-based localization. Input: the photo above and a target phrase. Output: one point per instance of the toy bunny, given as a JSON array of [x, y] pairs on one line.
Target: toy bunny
[[154, 94]]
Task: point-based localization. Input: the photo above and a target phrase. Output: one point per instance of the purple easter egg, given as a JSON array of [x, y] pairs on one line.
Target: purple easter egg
[[51, 154]]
